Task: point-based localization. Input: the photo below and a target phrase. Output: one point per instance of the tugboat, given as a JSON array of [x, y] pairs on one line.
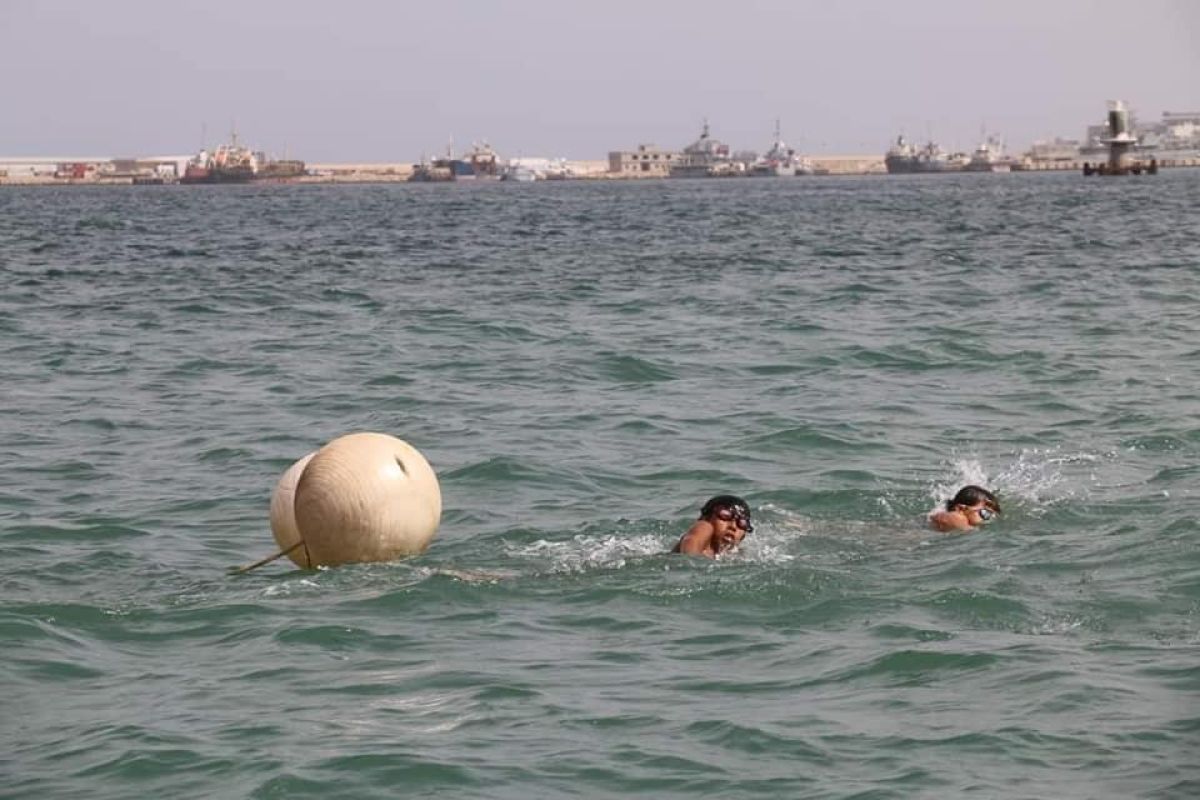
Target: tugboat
[[231, 163], [197, 170], [989, 157], [480, 163], [781, 161]]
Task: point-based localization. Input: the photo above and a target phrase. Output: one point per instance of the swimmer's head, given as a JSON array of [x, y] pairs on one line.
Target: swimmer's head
[[737, 509], [971, 496]]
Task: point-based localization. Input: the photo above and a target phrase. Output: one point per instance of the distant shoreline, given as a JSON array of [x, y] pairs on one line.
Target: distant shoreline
[[331, 174]]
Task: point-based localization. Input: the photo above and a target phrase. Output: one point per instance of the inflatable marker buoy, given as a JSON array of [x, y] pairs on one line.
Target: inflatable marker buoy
[[366, 497], [362, 497], [283, 517]]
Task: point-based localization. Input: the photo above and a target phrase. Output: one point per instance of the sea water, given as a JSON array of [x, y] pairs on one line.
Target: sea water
[[583, 364]]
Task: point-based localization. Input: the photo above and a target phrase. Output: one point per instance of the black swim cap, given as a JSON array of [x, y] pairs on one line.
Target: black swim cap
[[973, 496], [732, 502]]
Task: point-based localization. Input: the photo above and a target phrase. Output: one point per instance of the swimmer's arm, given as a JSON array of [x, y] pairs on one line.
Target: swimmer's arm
[[695, 541]]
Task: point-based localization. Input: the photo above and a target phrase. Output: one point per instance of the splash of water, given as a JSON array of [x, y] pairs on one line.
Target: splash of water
[[1035, 478]]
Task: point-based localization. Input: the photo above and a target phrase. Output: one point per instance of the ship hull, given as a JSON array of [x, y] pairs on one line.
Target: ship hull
[[988, 167], [430, 175], [691, 171], [453, 169], [774, 171], [900, 165], [906, 166], [278, 170], [233, 175], [519, 175]]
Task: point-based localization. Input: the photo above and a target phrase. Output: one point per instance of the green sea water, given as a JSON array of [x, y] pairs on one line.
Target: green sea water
[[583, 364]]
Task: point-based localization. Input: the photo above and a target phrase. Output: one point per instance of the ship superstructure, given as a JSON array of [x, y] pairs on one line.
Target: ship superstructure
[[703, 158], [478, 163], [904, 158], [781, 160], [229, 163], [989, 156]]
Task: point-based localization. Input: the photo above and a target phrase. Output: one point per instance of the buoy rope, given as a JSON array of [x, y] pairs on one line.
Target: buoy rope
[[269, 559]]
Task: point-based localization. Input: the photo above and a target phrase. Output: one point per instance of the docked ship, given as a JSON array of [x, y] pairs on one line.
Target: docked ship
[[426, 171], [483, 162], [518, 173], [536, 168], [781, 161], [197, 169], [280, 170], [989, 157], [904, 158], [480, 162], [230, 163], [901, 157], [704, 158]]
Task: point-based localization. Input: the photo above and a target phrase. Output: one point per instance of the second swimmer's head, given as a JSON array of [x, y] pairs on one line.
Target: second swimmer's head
[[972, 497]]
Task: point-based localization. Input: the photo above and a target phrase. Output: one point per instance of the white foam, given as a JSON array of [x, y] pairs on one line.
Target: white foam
[[1050, 626], [1035, 477], [775, 529], [584, 552], [289, 587]]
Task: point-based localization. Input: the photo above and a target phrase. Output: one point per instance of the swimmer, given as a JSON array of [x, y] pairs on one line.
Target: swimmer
[[724, 522], [971, 507]]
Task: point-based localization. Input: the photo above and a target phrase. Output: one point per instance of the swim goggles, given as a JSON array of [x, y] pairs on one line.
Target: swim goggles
[[739, 518]]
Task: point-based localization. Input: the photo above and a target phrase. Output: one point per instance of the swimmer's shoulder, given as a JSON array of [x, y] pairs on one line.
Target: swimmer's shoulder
[[695, 541], [947, 522]]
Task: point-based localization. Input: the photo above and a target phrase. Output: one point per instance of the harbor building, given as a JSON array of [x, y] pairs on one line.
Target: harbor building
[[1053, 150], [1177, 130], [360, 173], [647, 161], [89, 169], [849, 164], [18, 168]]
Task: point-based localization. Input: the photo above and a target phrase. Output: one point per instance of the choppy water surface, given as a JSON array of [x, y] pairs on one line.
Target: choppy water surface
[[583, 365]]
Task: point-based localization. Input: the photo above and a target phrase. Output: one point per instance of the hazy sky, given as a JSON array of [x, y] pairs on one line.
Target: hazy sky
[[379, 80]]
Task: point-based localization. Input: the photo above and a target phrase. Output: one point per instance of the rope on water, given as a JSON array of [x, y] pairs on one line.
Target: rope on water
[[269, 559]]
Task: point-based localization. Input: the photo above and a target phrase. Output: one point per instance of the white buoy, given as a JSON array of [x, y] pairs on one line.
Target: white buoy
[[283, 517], [363, 497]]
